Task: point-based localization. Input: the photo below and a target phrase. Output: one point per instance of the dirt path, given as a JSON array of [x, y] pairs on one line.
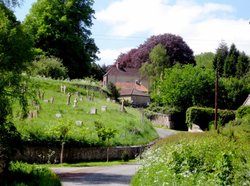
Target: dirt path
[[119, 175]]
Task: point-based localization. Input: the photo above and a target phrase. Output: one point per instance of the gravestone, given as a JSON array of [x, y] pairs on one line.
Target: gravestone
[[35, 113], [80, 98], [34, 102], [46, 101], [52, 100], [79, 123], [92, 96], [93, 111], [68, 98], [77, 94], [122, 106], [108, 100], [104, 108], [75, 102], [38, 107], [42, 95], [58, 115]]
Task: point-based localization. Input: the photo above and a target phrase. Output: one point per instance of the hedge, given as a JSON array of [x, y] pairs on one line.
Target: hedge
[[242, 111], [203, 116]]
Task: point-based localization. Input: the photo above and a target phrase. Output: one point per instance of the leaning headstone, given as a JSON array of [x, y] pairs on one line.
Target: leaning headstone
[[104, 108], [75, 102], [79, 123], [93, 111], [68, 98], [58, 115]]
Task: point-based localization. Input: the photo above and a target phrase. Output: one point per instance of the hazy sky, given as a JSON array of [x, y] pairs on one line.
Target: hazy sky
[[124, 24]]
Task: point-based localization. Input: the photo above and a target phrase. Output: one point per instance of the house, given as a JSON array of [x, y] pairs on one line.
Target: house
[[131, 87], [247, 101]]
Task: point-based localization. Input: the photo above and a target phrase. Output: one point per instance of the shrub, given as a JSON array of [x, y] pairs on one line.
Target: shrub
[[195, 159], [203, 116], [125, 156], [242, 111], [48, 67], [25, 174]]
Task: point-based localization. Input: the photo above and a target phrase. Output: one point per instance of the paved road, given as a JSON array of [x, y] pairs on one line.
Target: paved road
[[164, 133], [119, 175]]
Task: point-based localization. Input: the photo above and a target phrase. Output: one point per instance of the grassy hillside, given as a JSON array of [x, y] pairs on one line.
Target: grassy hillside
[[128, 127]]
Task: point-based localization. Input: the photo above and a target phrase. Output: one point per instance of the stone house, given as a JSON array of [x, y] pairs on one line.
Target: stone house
[[247, 101], [132, 88]]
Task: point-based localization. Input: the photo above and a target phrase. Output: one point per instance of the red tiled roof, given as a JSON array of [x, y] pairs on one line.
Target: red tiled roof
[[123, 71], [126, 88]]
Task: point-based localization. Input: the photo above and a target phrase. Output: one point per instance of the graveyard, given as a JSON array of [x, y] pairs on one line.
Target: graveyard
[[79, 113]]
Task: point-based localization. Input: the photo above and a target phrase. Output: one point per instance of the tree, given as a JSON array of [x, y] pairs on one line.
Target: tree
[[15, 51], [62, 29], [243, 64], [220, 57], [178, 51], [158, 61], [114, 93], [230, 62], [205, 60], [11, 3]]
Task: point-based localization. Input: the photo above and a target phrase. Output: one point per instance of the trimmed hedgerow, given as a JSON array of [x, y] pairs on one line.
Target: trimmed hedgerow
[[242, 111], [203, 116]]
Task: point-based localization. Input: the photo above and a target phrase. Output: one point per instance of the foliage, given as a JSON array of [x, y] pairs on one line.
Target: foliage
[[178, 51], [48, 67], [114, 93], [231, 63], [204, 116], [205, 60], [25, 174], [232, 92], [15, 50], [62, 29], [195, 159], [11, 3], [242, 111], [97, 71], [158, 61], [185, 86]]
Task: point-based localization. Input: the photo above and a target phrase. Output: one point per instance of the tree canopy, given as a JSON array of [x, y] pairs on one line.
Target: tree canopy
[[178, 51], [15, 50], [62, 29]]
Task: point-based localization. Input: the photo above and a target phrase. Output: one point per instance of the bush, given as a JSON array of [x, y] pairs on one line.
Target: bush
[[242, 111], [48, 67], [25, 174], [203, 116], [188, 159]]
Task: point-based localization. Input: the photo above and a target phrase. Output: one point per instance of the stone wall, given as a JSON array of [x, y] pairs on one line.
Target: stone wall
[[163, 120], [51, 154]]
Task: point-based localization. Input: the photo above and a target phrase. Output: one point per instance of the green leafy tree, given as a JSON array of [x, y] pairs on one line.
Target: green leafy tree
[[185, 86], [15, 51], [11, 3], [230, 62], [114, 93], [158, 61], [205, 60], [220, 58], [62, 29]]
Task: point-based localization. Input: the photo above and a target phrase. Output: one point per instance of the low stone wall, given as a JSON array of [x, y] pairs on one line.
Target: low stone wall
[[163, 120], [50, 154]]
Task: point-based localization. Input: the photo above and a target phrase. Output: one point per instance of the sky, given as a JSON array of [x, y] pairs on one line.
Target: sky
[[121, 25]]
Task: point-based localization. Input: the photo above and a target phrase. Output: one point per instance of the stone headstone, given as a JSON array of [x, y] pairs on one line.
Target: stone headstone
[[93, 111], [35, 113], [80, 99], [42, 95], [122, 106], [46, 101], [75, 102], [52, 100], [34, 102], [58, 115], [38, 107], [68, 98], [108, 100], [104, 108], [77, 94], [79, 123]]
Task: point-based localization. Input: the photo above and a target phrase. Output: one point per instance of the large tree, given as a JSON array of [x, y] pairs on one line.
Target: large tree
[[231, 61], [178, 51], [62, 28], [220, 58], [15, 50]]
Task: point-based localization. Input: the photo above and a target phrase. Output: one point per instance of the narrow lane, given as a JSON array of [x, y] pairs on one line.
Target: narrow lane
[[119, 175]]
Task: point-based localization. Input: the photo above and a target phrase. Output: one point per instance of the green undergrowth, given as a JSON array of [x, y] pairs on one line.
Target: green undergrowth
[[204, 159], [114, 127], [23, 174]]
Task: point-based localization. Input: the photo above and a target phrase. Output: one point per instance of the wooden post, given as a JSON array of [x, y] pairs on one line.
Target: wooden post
[[216, 101]]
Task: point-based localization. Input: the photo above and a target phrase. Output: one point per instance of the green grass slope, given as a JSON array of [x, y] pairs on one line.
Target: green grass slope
[[119, 128]]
